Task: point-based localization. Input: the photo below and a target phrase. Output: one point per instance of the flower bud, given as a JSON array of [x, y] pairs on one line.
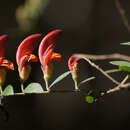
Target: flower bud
[[2, 75], [74, 71], [48, 70], [25, 72]]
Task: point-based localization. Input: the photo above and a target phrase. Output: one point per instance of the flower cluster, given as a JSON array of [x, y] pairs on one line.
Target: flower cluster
[[46, 56]]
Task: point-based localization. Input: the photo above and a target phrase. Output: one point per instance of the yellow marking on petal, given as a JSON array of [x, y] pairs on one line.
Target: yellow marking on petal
[[8, 64], [56, 56], [32, 58]]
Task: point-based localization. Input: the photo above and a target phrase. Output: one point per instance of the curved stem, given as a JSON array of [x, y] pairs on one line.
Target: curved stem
[[22, 87], [120, 86], [46, 82], [85, 57], [76, 85], [1, 89]]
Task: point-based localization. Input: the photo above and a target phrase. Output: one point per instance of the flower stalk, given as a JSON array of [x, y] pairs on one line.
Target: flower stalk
[[22, 87], [73, 66]]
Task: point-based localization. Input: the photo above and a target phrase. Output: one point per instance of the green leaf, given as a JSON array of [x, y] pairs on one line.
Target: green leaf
[[89, 92], [8, 91], [61, 77], [124, 68], [91, 78], [126, 43], [112, 71], [86, 80], [89, 99], [121, 63], [33, 88]]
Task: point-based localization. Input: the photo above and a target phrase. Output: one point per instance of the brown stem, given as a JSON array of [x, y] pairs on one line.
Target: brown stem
[[86, 57]]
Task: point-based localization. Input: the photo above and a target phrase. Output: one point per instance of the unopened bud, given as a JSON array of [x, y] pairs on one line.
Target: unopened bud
[[74, 71], [25, 72], [48, 70], [2, 75]]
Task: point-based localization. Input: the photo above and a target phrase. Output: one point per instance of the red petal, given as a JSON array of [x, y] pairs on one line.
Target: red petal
[[27, 46], [56, 57], [47, 58], [33, 58], [72, 61], [49, 41], [3, 41], [27, 58], [1, 60]]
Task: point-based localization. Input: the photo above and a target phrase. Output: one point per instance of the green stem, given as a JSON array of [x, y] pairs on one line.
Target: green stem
[[47, 83], [22, 87], [1, 91], [76, 85]]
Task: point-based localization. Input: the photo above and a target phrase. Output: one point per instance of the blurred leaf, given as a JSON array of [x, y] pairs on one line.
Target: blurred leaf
[[126, 43], [28, 14], [8, 91], [61, 77], [89, 92], [86, 80], [124, 68], [112, 71], [120, 63], [89, 99], [33, 88]]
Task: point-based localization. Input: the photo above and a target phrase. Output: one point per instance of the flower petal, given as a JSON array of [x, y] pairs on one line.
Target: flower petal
[[27, 46], [47, 58], [48, 42], [56, 57], [27, 58], [3, 41], [33, 58], [8, 64], [72, 61]]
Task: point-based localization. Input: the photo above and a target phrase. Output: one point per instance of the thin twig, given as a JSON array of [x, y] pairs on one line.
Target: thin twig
[[123, 14], [120, 86], [104, 57], [85, 57]]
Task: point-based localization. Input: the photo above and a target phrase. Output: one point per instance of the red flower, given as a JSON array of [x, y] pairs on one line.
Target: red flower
[[73, 66], [4, 63], [47, 54], [72, 62], [24, 54], [46, 48]]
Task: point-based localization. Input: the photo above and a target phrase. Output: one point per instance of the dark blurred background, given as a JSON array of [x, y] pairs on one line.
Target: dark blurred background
[[89, 26]]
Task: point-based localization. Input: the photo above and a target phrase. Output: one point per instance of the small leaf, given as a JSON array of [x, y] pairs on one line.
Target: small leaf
[[124, 68], [61, 77], [126, 43], [89, 92], [86, 80], [120, 63], [89, 99], [8, 91], [112, 71], [33, 88]]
